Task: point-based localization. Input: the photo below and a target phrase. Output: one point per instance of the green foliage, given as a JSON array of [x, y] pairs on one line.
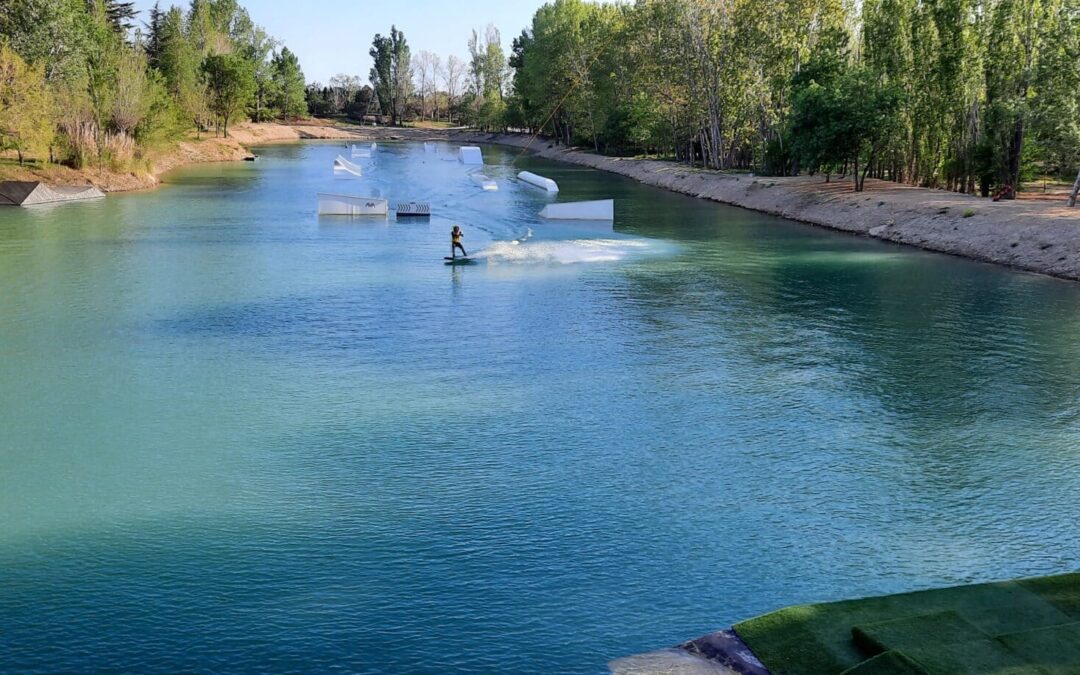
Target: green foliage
[[944, 93], [122, 91], [391, 76], [25, 105], [289, 85], [230, 83]]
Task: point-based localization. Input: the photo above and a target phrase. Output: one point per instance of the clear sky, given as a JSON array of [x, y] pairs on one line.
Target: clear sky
[[334, 36]]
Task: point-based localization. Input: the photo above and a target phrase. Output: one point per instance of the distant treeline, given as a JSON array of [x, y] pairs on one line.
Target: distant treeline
[[81, 81], [423, 86]]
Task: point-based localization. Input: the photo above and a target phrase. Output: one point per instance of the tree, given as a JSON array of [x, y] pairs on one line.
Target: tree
[[452, 75], [391, 76], [230, 82], [121, 15], [132, 96], [26, 120], [426, 66], [257, 46], [851, 119], [289, 80]]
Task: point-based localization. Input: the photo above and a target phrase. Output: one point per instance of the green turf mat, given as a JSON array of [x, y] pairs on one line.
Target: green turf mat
[[887, 663], [939, 628], [979, 657], [817, 639], [1055, 649], [786, 642], [1062, 591]]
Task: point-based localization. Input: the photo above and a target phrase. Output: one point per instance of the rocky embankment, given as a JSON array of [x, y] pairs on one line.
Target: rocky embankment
[[1035, 235]]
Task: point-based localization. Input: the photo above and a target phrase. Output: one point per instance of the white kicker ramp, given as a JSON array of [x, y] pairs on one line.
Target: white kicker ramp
[[342, 164], [538, 181], [602, 209], [470, 154]]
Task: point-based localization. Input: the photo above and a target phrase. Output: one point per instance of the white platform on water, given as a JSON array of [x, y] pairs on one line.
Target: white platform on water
[[358, 151], [351, 205], [538, 181], [601, 209], [343, 165], [485, 182], [431, 146], [470, 154]]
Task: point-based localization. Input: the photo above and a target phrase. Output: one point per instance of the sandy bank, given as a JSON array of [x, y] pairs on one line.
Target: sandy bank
[[189, 151], [1038, 236]]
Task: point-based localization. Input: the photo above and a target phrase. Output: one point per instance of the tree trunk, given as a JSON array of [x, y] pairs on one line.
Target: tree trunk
[[225, 125], [1016, 147], [1075, 190]]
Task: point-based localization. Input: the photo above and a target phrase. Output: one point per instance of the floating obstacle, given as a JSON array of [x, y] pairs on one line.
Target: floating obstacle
[[413, 210], [470, 154], [357, 151], [601, 209], [29, 193], [351, 205], [485, 182], [538, 181], [343, 165], [431, 146]]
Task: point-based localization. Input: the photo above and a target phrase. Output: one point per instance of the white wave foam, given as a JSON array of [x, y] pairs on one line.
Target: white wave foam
[[563, 252]]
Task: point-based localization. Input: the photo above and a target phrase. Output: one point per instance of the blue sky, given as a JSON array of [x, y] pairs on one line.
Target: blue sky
[[333, 36]]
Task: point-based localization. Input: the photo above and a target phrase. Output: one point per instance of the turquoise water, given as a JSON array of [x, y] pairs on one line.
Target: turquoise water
[[236, 436]]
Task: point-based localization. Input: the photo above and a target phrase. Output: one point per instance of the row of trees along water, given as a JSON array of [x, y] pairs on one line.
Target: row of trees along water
[[969, 95], [81, 81]]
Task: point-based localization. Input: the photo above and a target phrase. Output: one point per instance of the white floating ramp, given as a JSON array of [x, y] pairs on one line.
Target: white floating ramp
[[343, 165], [431, 146], [29, 193], [351, 205], [357, 151], [470, 154], [413, 210], [602, 209], [485, 182], [538, 181]]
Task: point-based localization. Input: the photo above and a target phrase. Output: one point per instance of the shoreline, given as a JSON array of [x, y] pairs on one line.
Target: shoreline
[[1032, 235], [183, 153]]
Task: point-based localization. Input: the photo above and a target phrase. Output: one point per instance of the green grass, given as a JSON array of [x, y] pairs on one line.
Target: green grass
[[983, 628]]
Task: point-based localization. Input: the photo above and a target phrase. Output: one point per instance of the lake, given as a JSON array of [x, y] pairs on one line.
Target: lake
[[237, 436]]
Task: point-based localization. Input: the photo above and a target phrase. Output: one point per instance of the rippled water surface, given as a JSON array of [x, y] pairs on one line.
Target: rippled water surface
[[236, 436]]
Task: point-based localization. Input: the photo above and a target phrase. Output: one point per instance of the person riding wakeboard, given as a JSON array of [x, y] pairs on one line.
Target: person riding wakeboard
[[455, 243]]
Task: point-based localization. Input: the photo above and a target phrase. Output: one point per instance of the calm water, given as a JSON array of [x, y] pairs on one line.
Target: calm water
[[235, 436]]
